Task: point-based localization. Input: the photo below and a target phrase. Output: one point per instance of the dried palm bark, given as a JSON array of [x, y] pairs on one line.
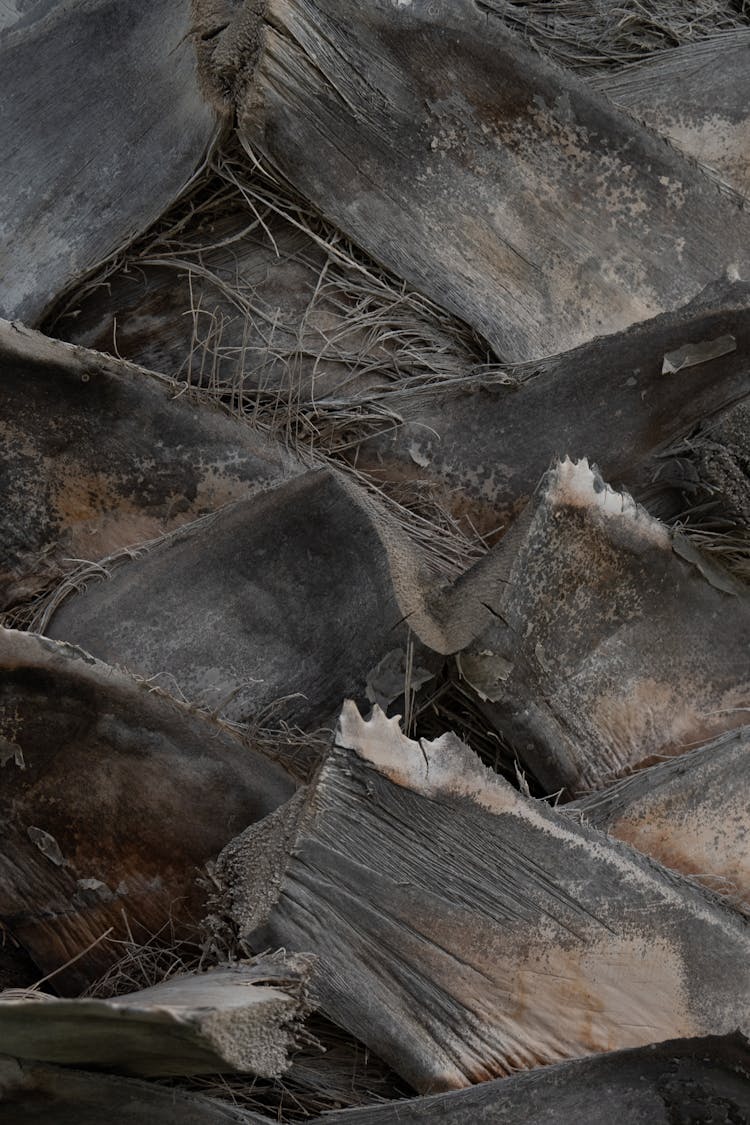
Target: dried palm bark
[[288, 600], [98, 455], [685, 1080], [502, 188], [114, 796], [698, 95], [104, 123], [464, 931], [608, 641], [690, 813], [481, 445], [244, 1018], [31, 1093]]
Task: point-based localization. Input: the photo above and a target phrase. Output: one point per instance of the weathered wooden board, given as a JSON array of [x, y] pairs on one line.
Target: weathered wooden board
[[34, 1094], [464, 931], [698, 95], [97, 455], [103, 124], [242, 1018], [692, 813], [686, 1081], [113, 797], [285, 601], [609, 639], [499, 186], [483, 447]]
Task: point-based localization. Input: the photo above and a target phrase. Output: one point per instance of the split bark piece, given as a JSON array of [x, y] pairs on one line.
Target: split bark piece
[[114, 796], [609, 640], [482, 448], [686, 1080], [98, 455], [464, 931], [33, 1094], [692, 813], [104, 123], [243, 1018], [502, 188], [698, 95], [287, 600]]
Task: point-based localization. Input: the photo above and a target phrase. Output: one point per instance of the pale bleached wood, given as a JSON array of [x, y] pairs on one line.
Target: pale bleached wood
[[691, 813], [464, 931], [114, 796], [498, 185], [244, 1018], [608, 640]]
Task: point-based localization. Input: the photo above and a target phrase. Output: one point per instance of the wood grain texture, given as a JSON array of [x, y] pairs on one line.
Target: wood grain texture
[[689, 812], [609, 640], [97, 455], [245, 1018], [282, 604], [113, 798], [104, 123], [464, 931], [698, 95], [502, 188], [681, 1082], [482, 448]]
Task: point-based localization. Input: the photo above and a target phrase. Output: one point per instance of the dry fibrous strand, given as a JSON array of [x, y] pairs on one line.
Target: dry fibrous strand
[[243, 1018], [404, 150], [32, 1094], [104, 125], [698, 95], [464, 931], [114, 796], [288, 600], [99, 455], [688, 812], [608, 642], [685, 1080], [482, 445]]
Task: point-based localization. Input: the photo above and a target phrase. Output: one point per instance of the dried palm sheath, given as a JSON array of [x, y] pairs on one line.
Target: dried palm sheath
[[291, 598], [698, 95], [464, 931], [97, 455], [243, 1018], [502, 188], [607, 639], [483, 447], [113, 797], [243, 313], [686, 1081], [689, 812], [35, 1094], [103, 124]]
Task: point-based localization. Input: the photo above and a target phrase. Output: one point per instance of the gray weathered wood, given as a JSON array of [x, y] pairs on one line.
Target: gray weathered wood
[[290, 599], [97, 455], [113, 797], [698, 95], [608, 640], [501, 187], [34, 1094], [690, 813], [464, 931], [243, 1018], [103, 124], [685, 1080], [482, 446]]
